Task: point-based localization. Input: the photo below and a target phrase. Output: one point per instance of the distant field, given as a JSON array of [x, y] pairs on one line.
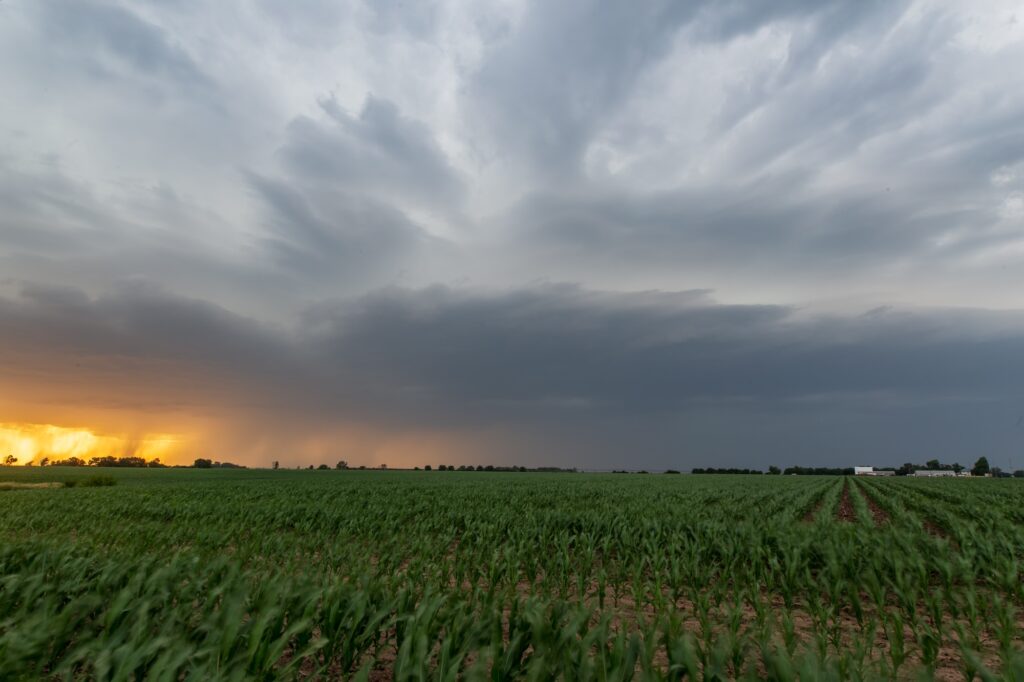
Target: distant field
[[227, 574]]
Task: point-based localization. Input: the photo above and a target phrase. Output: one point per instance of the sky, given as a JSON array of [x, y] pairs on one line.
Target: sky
[[588, 234]]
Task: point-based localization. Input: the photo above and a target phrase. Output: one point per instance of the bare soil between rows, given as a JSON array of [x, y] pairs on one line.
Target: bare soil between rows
[[846, 512], [880, 515]]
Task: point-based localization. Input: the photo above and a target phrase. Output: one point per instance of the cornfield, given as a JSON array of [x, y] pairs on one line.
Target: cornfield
[[231, 575]]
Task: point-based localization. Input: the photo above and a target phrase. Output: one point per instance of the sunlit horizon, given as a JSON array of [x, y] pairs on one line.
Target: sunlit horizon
[[31, 443]]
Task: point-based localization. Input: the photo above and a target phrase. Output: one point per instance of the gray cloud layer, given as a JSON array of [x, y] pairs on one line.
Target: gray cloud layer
[[348, 214], [556, 367]]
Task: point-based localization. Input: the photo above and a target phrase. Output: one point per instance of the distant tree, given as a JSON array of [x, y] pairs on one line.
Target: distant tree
[[428, 468], [479, 467], [981, 467], [202, 463], [362, 466], [756, 472], [276, 465], [156, 464], [774, 470], [323, 467], [310, 467], [342, 464], [1019, 473], [671, 471], [957, 467], [44, 461], [10, 460], [997, 472], [442, 467], [800, 471], [933, 464]]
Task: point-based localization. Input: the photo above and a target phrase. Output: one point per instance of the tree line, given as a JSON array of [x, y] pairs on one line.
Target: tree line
[[342, 465], [130, 462], [980, 468]]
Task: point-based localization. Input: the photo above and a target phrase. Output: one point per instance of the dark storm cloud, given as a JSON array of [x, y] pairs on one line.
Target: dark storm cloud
[[570, 66], [379, 152], [547, 86], [655, 352], [55, 229], [139, 323], [336, 235], [46, 211], [337, 202], [559, 364], [105, 39], [770, 222]]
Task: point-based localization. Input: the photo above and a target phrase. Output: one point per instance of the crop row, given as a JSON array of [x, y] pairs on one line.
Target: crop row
[[415, 576]]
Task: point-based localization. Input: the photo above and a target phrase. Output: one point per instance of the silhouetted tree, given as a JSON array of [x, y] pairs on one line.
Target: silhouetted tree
[[10, 460], [202, 463], [341, 465], [276, 465], [774, 470], [428, 468], [981, 467], [932, 464], [323, 467]]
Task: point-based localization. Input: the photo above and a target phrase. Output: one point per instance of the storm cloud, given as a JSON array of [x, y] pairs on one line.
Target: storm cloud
[[604, 367], [580, 233]]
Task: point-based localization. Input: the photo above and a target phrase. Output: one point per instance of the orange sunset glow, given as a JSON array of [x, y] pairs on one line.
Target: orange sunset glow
[[30, 443]]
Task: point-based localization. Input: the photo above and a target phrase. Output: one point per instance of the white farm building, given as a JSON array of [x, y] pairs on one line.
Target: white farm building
[[870, 471]]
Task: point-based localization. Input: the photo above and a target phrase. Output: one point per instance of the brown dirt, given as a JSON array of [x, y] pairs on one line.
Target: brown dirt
[[813, 511], [934, 529], [846, 511], [626, 614], [13, 485], [880, 515]]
